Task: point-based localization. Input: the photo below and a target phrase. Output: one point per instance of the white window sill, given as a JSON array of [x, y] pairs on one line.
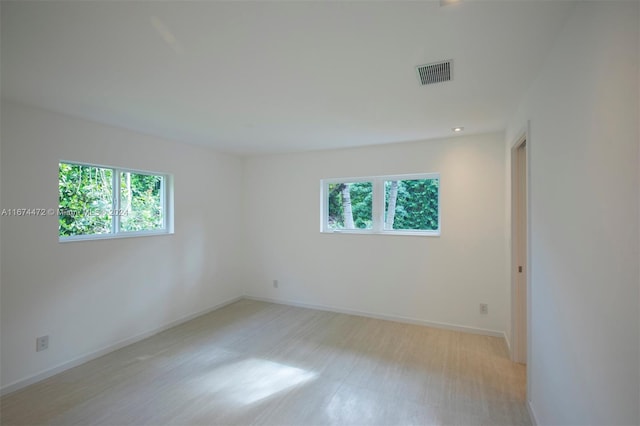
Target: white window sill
[[371, 232], [98, 237]]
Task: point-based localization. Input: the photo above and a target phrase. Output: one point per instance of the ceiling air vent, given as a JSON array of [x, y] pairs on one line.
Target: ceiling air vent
[[434, 73]]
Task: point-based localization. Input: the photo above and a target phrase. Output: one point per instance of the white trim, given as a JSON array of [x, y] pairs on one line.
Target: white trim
[[413, 232], [19, 384], [517, 318], [377, 208], [506, 339], [98, 237], [115, 200], [359, 179], [532, 413], [405, 232], [122, 169], [396, 318], [408, 176], [530, 148], [168, 203]]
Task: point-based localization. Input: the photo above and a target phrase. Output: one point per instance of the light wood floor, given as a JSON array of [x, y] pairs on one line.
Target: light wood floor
[[262, 363]]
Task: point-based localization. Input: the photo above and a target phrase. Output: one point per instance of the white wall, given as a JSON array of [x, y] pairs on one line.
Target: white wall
[[434, 279], [583, 148], [89, 295], [1, 222]]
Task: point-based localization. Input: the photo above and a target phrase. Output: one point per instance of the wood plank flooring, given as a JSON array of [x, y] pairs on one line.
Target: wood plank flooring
[[255, 363]]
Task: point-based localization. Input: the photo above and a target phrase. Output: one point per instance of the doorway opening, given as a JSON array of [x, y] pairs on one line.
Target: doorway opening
[[519, 255]]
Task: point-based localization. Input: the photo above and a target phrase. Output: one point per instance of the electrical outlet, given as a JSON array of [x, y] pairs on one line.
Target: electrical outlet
[[42, 343], [275, 283], [484, 308]]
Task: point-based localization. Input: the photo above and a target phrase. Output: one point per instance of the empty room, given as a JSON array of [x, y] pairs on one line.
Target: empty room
[[320, 212]]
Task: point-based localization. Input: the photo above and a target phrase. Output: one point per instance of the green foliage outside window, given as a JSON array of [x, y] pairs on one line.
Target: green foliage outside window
[[86, 201], [414, 203], [359, 200], [140, 201]]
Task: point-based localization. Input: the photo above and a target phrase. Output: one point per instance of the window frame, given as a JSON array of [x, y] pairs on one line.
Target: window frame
[[166, 199], [378, 205]]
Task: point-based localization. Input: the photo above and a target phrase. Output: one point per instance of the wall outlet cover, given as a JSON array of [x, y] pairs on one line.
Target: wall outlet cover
[[42, 343]]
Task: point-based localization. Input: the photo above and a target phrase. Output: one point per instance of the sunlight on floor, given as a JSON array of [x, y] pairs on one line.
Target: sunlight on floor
[[251, 380]]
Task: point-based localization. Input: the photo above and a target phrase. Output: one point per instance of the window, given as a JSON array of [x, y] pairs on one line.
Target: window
[[105, 202], [350, 205], [399, 204], [411, 204]]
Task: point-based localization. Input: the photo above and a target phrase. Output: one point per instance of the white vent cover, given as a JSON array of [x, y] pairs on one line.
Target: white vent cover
[[436, 72]]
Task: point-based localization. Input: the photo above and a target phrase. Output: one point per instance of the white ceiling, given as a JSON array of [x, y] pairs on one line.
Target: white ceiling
[[253, 77]]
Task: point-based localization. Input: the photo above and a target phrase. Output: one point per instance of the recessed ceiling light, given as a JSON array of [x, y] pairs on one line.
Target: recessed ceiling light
[[458, 129]]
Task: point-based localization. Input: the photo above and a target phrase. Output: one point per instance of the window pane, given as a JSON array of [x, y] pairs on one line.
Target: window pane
[[411, 204], [85, 200], [350, 205], [140, 202]]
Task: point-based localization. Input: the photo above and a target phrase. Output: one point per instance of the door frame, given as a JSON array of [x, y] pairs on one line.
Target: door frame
[[520, 345]]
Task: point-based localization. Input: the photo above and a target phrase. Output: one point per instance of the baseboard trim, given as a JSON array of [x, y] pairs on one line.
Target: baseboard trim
[[19, 384], [396, 318], [506, 339], [532, 414]]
